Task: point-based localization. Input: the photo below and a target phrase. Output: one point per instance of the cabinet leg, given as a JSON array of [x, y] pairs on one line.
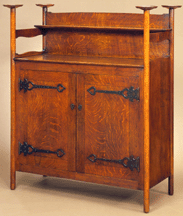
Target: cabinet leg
[[13, 180], [13, 170], [146, 200], [170, 185]]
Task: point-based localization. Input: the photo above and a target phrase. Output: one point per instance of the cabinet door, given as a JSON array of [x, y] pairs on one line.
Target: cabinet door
[[110, 132], [45, 120]]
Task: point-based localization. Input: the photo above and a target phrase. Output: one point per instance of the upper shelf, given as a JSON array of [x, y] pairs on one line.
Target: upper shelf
[[105, 28]]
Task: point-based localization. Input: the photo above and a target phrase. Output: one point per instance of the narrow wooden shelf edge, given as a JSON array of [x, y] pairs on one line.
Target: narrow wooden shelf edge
[[107, 28]]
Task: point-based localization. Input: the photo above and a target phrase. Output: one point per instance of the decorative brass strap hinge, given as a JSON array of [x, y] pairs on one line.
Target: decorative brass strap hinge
[[28, 86], [131, 162], [28, 150], [130, 93]]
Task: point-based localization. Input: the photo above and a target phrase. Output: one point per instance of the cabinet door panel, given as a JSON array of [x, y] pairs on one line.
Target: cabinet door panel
[[109, 125], [46, 119]]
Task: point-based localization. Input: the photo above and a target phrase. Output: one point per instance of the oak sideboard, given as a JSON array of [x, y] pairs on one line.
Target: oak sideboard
[[96, 104]]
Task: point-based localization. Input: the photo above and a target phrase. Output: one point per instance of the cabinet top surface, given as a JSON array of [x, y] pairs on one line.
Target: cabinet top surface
[[84, 60]]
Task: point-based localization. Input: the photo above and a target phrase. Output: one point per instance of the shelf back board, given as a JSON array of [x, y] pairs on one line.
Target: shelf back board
[[107, 19], [104, 34]]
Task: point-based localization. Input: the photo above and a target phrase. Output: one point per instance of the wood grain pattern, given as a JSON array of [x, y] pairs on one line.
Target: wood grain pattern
[[106, 126], [104, 28], [171, 25], [95, 40], [107, 19], [80, 68], [81, 177], [159, 120], [102, 44], [28, 32], [84, 60], [146, 113], [47, 125], [80, 124], [13, 96]]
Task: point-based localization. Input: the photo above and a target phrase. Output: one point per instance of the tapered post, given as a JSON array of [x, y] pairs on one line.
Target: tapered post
[[146, 106], [171, 51], [45, 10], [13, 86]]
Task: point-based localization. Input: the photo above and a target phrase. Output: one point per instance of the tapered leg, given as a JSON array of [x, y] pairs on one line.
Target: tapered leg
[[13, 179], [146, 106], [171, 26], [146, 200], [170, 185], [13, 87]]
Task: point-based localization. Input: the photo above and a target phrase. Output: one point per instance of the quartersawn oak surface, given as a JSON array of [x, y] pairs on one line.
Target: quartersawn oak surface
[[107, 19], [110, 125], [85, 60], [36, 104], [45, 121]]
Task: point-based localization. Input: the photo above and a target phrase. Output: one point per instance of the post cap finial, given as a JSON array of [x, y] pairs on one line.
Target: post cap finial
[[172, 6], [45, 5], [146, 7], [13, 6]]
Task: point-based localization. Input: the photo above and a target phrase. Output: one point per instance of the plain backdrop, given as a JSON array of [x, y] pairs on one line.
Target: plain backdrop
[[36, 195]]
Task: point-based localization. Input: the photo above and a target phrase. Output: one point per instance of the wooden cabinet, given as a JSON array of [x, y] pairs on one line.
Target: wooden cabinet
[[101, 121], [96, 104]]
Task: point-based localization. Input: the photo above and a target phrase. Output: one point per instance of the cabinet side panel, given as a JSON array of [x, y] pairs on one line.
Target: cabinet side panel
[[159, 120]]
